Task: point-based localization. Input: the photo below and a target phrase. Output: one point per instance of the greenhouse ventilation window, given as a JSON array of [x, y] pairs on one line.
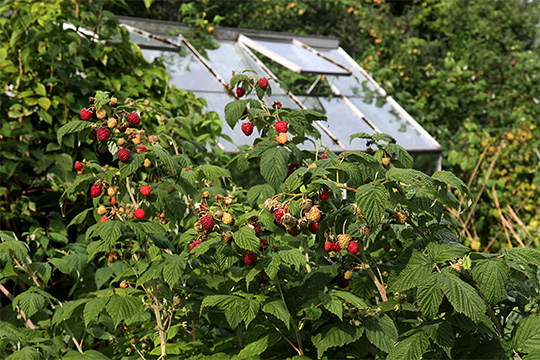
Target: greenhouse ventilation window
[[352, 101]]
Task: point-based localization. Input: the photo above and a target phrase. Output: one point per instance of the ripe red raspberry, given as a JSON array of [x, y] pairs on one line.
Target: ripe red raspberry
[[278, 214], [240, 92], [324, 156], [327, 245], [263, 244], [145, 190], [141, 149], [207, 222], [102, 134], [194, 244], [281, 127], [335, 246], [325, 195], [139, 213], [122, 129], [249, 258], [95, 191], [257, 228], [123, 155], [104, 218], [313, 228], [86, 114], [343, 283], [353, 247], [247, 128], [78, 166], [134, 118], [263, 83]]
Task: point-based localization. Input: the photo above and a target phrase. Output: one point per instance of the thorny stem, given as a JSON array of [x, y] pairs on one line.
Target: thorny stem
[[295, 327], [74, 339], [28, 272], [130, 192], [289, 341], [10, 297]]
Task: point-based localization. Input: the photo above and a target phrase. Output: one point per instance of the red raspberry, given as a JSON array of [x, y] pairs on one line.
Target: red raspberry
[[313, 228], [327, 245], [343, 283], [278, 214], [188, 169], [240, 92], [134, 118], [247, 128], [276, 105], [207, 222], [335, 247], [263, 244], [324, 156], [123, 155], [249, 258], [194, 244], [86, 114], [257, 228], [353, 247], [145, 190], [95, 191], [281, 127], [293, 232], [263, 83], [139, 213], [104, 218], [122, 129], [113, 201], [325, 195], [102, 134], [78, 165], [141, 149]]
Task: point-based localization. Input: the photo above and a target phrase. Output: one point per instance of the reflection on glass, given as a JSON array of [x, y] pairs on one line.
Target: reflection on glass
[[308, 61], [356, 84], [389, 121], [185, 71]]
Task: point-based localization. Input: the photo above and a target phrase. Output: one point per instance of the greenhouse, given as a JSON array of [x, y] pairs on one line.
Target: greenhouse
[[353, 102]]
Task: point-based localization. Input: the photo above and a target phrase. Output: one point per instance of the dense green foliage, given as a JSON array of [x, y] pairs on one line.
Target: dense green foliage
[[469, 68], [107, 250]]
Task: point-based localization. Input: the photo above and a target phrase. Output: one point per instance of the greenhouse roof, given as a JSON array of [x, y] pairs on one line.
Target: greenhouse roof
[[356, 103]]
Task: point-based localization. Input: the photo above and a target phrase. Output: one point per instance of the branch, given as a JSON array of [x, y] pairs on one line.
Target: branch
[[295, 328]]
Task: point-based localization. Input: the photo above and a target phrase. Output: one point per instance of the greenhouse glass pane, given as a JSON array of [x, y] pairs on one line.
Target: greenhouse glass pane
[[143, 40], [186, 72], [356, 84], [305, 59], [342, 121], [389, 121]]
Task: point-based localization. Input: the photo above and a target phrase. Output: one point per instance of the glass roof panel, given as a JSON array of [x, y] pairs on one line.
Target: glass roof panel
[[389, 121], [186, 72], [296, 57], [356, 84], [142, 40], [343, 122]]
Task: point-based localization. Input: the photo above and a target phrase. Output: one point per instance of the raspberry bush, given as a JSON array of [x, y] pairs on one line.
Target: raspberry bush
[[337, 256]]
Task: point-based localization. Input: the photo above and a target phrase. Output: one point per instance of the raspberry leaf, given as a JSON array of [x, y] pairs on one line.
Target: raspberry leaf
[[70, 128]]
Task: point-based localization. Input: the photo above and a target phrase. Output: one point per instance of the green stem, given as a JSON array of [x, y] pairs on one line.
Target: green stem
[[295, 327], [155, 306], [308, 268], [380, 287]]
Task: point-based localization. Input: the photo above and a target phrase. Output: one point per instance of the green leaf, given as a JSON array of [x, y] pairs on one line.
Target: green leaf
[[410, 348], [401, 154], [233, 111], [492, 275], [64, 311], [30, 302], [88, 355], [450, 179], [278, 309], [63, 265], [274, 166], [410, 268], [173, 269], [441, 252], [259, 193], [44, 102], [461, 295], [110, 231], [213, 172], [72, 127], [246, 239], [527, 336], [93, 308], [430, 296], [360, 135], [410, 177], [153, 272], [123, 308], [258, 346], [166, 158], [293, 257], [205, 246], [527, 256], [381, 332], [249, 309], [332, 304], [372, 200], [13, 247], [441, 333], [273, 266], [148, 3], [350, 298], [26, 353], [128, 168], [335, 336]]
